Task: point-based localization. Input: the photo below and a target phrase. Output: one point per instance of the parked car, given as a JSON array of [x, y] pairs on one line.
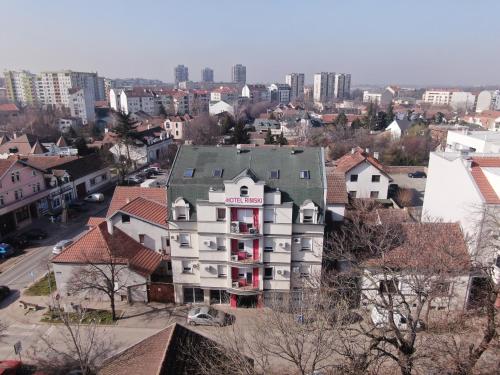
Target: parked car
[[95, 198], [78, 206], [134, 180], [418, 174], [6, 250], [60, 246], [19, 241], [206, 315], [380, 318], [152, 170], [35, 234], [4, 292]]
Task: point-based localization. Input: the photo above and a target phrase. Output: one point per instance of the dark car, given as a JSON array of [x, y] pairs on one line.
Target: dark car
[[35, 234], [4, 292], [418, 174], [19, 242], [6, 250]]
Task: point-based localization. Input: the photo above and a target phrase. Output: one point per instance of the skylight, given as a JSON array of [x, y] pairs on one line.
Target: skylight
[[275, 174], [217, 172], [304, 175], [189, 172]]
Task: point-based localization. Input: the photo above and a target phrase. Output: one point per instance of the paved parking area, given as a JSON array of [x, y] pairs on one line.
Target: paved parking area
[[416, 184]]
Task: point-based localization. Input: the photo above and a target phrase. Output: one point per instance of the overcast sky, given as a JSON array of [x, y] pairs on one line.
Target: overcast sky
[[423, 42]]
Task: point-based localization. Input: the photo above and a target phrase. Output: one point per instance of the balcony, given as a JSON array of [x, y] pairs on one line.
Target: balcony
[[239, 227], [242, 257], [243, 286]]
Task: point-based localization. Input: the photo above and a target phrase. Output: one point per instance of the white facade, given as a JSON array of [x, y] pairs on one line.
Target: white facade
[[473, 141], [371, 97], [437, 97], [323, 87], [82, 104], [220, 107], [488, 101], [462, 101], [366, 181]]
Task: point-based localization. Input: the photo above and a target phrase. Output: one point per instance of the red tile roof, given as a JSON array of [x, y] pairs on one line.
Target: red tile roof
[[95, 221], [97, 246], [148, 210], [125, 194], [352, 159], [5, 165], [336, 189], [484, 186], [46, 162], [8, 107], [431, 247]]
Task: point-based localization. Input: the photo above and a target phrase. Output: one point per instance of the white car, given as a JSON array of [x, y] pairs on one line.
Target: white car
[[380, 318], [95, 197], [60, 246]]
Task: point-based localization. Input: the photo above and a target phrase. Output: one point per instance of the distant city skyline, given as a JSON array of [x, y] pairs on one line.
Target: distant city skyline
[[444, 43]]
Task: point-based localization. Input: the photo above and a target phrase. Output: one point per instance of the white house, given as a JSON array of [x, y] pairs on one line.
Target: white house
[[398, 127], [473, 141], [364, 175], [247, 224]]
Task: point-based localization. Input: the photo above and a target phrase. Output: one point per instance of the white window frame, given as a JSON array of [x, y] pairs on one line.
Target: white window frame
[[305, 240], [188, 237], [268, 219]]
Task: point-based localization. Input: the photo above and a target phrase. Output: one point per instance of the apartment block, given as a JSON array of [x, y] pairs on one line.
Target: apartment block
[[239, 74], [245, 224], [323, 87], [207, 75], [437, 97], [181, 74], [82, 104], [296, 83], [342, 86], [21, 87]]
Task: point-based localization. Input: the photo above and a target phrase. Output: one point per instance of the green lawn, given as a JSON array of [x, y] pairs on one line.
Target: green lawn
[[100, 316], [41, 287]]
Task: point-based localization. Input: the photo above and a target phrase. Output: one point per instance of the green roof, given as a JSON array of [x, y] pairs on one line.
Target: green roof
[[260, 162]]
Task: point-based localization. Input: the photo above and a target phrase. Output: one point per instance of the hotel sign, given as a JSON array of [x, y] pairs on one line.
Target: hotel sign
[[244, 200]]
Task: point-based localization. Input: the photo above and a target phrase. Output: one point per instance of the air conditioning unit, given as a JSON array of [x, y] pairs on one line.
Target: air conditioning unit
[[174, 237], [235, 227], [235, 284], [234, 258], [296, 269], [207, 243], [296, 240], [280, 272], [196, 265], [208, 268], [282, 244], [252, 231]]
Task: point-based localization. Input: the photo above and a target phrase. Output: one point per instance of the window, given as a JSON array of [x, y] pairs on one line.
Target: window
[[193, 295], [92, 181], [241, 245], [186, 267], [373, 194], [388, 286], [1, 200], [217, 172], [141, 239], [352, 194], [376, 178], [38, 186], [221, 270], [268, 244], [33, 173], [221, 246], [268, 273], [354, 177], [306, 244], [104, 177], [181, 213], [188, 173], [244, 191], [125, 218], [18, 194], [221, 214], [304, 175], [275, 174], [184, 239], [308, 216], [269, 215], [23, 214]]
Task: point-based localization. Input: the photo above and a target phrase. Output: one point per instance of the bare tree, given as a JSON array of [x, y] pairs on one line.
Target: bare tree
[[104, 276], [79, 344], [202, 130]]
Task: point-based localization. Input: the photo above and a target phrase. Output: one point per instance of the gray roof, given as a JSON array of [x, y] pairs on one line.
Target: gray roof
[[404, 124], [263, 124], [257, 161]]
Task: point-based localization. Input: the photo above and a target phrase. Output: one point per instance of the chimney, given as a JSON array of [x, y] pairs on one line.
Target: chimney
[[127, 201], [468, 163], [376, 154], [110, 227], [353, 150], [367, 150], [106, 130]]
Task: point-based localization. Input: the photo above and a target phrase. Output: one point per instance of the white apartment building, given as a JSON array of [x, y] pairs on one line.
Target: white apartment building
[[371, 97], [323, 87], [296, 83], [245, 223], [488, 101], [81, 104], [224, 93], [365, 176], [462, 101], [131, 101], [437, 97], [467, 141], [256, 93]]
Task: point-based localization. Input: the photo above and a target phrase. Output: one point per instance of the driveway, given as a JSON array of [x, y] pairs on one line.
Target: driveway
[[415, 184]]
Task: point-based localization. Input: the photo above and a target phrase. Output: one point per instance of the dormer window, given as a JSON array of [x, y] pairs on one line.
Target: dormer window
[[304, 175], [275, 174], [181, 210], [188, 173], [217, 172], [308, 213], [244, 191]]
